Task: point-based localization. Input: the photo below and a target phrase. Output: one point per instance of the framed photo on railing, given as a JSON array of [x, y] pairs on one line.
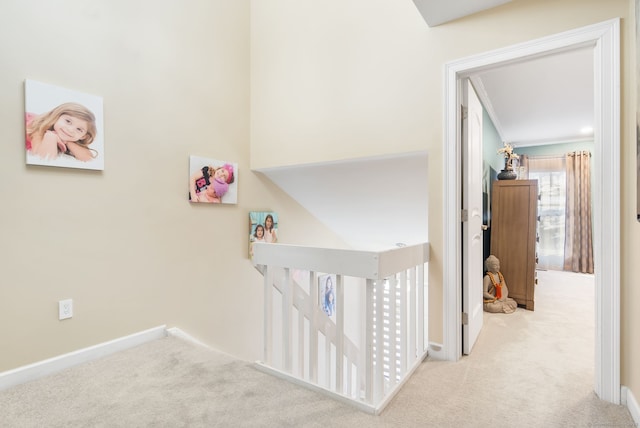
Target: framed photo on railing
[[327, 294], [263, 227]]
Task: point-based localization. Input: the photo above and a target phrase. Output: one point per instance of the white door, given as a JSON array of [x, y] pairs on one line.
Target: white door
[[472, 242]]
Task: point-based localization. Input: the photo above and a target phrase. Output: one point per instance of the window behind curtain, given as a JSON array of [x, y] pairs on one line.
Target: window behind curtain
[[551, 176]]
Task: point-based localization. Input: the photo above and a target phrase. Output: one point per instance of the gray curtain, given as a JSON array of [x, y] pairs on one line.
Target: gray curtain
[[578, 244]]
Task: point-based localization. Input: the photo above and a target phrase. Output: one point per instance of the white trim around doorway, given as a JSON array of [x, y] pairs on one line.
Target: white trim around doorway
[[605, 39]]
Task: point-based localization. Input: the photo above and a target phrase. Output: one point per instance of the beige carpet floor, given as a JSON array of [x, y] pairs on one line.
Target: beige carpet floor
[[528, 369]]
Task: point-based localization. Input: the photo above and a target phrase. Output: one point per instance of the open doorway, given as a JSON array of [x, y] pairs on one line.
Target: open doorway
[[604, 39]]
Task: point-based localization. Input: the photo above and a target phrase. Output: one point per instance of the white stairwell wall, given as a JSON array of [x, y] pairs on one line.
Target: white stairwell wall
[[365, 351]]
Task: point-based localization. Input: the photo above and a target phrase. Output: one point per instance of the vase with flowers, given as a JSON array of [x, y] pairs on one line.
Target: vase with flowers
[[509, 156]]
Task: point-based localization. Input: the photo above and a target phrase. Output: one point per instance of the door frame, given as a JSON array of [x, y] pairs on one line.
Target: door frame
[[605, 39]]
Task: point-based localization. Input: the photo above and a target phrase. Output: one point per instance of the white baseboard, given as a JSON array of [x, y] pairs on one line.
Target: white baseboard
[[53, 365], [313, 387], [630, 401], [176, 332], [181, 334]]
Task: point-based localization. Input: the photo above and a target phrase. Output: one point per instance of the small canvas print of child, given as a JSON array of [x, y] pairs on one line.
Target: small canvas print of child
[[263, 227], [62, 127], [212, 181]]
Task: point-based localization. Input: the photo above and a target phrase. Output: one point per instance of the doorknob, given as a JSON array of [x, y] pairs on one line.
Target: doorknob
[[484, 227]]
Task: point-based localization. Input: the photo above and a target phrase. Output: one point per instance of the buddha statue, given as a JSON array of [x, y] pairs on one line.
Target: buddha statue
[[496, 293]]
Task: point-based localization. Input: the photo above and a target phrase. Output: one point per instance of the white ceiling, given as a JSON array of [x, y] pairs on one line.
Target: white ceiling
[[360, 204], [436, 12], [539, 101]]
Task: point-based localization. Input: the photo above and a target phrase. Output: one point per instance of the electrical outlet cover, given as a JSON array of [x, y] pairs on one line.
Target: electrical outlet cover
[[65, 309]]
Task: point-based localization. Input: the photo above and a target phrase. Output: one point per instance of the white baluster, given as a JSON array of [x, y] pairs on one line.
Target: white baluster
[[378, 380], [369, 339], [268, 307], [339, 307], [404, 330], [313, 327], [413, 329], [287, 305]]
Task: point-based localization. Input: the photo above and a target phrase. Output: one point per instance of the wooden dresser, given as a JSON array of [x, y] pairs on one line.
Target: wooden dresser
[[514, 206]]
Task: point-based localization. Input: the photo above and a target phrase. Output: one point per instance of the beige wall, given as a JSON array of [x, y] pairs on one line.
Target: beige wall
[[335, 79], [125, 244]]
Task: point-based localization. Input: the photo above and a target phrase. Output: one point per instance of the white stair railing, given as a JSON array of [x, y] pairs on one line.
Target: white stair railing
[[376, 338]]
